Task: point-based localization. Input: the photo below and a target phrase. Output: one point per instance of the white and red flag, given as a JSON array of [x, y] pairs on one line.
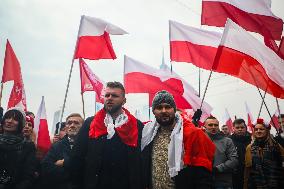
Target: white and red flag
[[241, 55], [90, 82], [93, 39], [12, 72], [228, 121], [275, 121], [250, 119], [41, 129], [281, 48], [193, 45], [252, 15], [141, 78]]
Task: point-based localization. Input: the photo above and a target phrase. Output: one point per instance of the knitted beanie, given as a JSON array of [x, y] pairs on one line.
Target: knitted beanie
[[163, 97]]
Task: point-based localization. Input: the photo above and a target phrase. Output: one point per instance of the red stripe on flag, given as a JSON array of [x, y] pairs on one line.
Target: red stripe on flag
[[151, 84], [43, 139], [200, 55], [216, 14], [95, 47], [245, 67]]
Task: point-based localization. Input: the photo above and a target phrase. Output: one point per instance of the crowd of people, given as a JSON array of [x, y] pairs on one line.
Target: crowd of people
[[114, 150]]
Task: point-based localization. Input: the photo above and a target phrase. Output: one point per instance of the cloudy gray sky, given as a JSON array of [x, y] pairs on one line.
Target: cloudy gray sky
[[43, 35]]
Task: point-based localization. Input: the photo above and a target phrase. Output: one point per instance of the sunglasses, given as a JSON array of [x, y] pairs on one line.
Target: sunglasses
[[212, 124]]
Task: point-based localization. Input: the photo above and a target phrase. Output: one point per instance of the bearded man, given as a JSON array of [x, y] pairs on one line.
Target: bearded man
[[176, 154], [107, 151]]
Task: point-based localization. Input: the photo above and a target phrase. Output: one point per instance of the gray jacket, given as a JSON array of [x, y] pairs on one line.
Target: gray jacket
[[225, 160]]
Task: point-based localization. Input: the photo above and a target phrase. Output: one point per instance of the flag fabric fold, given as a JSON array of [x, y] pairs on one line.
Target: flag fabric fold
[[193, 45], [12, 72], [252, 15], [93, 39], [274, 122], [228, 121], [241, 55], [250, 119], [141, 78], [41, 129], [90, 82]]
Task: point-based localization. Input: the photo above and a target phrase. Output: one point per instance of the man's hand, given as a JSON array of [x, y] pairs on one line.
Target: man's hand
[[59, 162]]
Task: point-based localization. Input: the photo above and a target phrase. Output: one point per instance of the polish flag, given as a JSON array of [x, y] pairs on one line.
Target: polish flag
[[12, 72], [281, 48], [252, 15], [243, 56], [141, 78], [250, 119], [228, 121], [193, 45], [93, 39], [90, 82], [274, 121], [41, 129]]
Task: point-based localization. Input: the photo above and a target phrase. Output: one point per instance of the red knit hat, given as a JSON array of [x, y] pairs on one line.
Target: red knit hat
[[261, 121], [30, 119]]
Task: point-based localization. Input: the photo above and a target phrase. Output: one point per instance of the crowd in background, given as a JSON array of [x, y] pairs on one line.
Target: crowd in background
[[115, 150]]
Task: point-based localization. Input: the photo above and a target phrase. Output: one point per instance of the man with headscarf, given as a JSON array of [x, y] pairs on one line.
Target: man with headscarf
[[264, 160], [106, 154], [176, 154]]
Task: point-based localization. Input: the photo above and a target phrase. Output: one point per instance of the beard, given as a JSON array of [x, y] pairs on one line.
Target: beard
[[165, 120], [113, 109]]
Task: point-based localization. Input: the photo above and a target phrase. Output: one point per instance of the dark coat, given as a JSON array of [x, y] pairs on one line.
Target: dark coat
[[54, 176], [17, 163], [91, 157], [241, 143]]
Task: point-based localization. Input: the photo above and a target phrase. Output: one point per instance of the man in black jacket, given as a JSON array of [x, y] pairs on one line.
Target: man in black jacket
[[54, 174], [241, 139], [106, 154]]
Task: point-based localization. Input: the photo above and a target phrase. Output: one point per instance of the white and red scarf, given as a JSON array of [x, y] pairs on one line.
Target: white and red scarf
[[125, 125], [175, 149]]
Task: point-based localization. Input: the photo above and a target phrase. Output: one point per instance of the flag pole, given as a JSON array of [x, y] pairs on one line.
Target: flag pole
[[68, 83], [216, 59], [261, 96], [261, 104], [199, 81], [206, 88], [1, 93], [83, 103]]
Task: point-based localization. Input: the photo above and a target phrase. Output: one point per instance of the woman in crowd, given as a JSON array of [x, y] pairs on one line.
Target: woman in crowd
[[17, 156], [264, 160]]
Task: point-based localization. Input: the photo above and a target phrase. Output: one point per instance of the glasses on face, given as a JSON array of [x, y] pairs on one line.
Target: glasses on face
[[70, 122], [213, 124]]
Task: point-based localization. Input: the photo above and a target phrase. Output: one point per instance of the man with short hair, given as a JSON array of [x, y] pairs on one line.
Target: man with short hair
[[54, 174], [107, 151], [225, 130], [241, 139], [225, 159], [176, 154]]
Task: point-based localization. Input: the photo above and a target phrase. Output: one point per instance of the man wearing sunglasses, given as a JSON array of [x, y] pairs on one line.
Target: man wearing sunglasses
[[225, 158]]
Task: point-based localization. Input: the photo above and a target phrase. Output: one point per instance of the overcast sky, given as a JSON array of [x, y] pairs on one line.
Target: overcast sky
[[43, 35]]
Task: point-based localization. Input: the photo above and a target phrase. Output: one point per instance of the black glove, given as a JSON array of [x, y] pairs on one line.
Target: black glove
[[215, 170], [196, 117]]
